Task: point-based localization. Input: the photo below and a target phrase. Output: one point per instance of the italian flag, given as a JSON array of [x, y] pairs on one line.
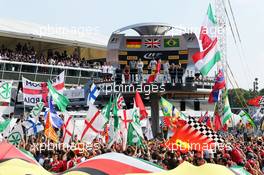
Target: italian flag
[[246, 118], [209, 56], [227, 111]]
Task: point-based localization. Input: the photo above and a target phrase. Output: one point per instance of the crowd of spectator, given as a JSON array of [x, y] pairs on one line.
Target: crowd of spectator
[[247, 152], [26, 53]]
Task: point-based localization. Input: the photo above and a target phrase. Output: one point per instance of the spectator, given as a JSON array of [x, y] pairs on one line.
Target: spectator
[[152, 65], [132, 66], [173, 72], [140, 66], [166, 67], [179, 73], [127, 74], [104, 71]]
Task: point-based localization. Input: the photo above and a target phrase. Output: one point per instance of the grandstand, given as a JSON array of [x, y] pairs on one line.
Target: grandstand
[[78, 52]]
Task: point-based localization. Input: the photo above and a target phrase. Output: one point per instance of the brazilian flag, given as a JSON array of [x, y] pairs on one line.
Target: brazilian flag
[[171, 42]]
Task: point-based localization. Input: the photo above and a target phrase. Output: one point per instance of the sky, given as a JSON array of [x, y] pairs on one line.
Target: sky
[[106, 16]]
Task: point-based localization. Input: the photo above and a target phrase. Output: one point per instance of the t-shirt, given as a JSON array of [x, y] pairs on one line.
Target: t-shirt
[[56, 166], [110, 69], [166, 66], [153, 64], [132, 65], [140, 65], [104, 68]]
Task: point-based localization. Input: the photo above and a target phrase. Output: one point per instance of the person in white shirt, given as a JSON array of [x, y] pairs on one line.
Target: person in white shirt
[[110, 72], [140, 66], [152, 65], [104, 71], [166, 67]]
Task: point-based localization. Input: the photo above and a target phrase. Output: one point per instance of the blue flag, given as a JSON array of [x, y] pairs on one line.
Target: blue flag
[[56, 121], [93, 94]]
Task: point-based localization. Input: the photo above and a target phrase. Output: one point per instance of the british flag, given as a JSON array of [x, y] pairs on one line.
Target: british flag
[[152, 43]]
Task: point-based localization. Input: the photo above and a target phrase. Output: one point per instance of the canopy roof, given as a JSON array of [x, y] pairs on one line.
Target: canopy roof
[[83, 36], [149, 28]]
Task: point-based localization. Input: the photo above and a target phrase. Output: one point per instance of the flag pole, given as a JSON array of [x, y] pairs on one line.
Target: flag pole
[[73, 117]]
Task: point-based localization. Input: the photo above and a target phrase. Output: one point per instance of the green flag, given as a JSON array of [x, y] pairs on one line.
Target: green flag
[[5, 91], [60, 100], [4, 124], [227, 113], [135, 133], [107, 109], [171, 42], [116, 118], [246, 118], [169, 110], [37, 109]]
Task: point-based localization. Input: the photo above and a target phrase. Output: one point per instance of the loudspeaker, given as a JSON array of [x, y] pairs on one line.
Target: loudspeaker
[[196, 105], [182, 105]]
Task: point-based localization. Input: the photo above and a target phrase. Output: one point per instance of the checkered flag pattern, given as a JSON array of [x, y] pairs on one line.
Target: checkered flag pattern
[[205, 130]]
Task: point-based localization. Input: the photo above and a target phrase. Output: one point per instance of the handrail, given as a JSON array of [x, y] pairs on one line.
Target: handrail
[[51, 66]]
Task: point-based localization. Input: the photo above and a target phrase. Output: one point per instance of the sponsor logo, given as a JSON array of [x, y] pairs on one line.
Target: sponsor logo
[[152, 55]]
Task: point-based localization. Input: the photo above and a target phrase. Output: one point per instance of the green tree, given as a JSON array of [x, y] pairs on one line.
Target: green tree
[[238, 97], [261, 92]]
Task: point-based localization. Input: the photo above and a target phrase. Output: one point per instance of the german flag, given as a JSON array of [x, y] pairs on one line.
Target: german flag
[[133, 43]]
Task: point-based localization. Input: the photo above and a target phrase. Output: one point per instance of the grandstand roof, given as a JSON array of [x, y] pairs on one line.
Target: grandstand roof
[[83, 36]]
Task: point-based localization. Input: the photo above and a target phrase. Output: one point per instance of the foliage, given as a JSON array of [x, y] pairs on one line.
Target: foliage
[[238, 97]]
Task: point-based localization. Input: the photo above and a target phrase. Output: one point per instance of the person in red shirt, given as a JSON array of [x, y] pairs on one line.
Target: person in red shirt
[[56, 164]]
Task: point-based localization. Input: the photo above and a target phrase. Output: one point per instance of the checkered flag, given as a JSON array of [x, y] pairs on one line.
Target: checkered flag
[[204, 130]]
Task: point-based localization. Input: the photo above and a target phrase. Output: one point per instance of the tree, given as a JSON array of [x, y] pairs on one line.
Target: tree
[[238, 97], [261, 92]]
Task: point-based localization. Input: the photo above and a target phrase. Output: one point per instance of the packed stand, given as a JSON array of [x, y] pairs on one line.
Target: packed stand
[[26, 53], [246, 151]]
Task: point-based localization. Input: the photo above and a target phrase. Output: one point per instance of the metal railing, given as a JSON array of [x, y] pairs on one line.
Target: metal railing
[[10, 70]]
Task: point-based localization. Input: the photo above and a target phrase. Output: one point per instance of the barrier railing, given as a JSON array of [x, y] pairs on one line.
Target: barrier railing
[[10, 70]]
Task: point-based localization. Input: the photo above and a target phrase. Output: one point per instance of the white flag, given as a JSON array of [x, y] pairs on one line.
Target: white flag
[[16, 135], [9, 127], [67, 128], [94, 124], [32, 126], [5, 91], [148, 132]]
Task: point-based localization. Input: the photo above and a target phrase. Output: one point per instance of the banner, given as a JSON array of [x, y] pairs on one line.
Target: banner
[[35, 92], [5, 91]]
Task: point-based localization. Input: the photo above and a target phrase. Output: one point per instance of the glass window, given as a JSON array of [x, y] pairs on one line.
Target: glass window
[[28, 68], [44, 70], [2, 66], [57, 71], [12, 67], [73, 73], [87, 74]]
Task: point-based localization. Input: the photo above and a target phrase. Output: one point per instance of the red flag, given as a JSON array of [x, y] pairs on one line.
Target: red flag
[[141, 106], [217, 122], [153, 76], [225, 127], [254, 101], [203, 117], [208, 122]]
